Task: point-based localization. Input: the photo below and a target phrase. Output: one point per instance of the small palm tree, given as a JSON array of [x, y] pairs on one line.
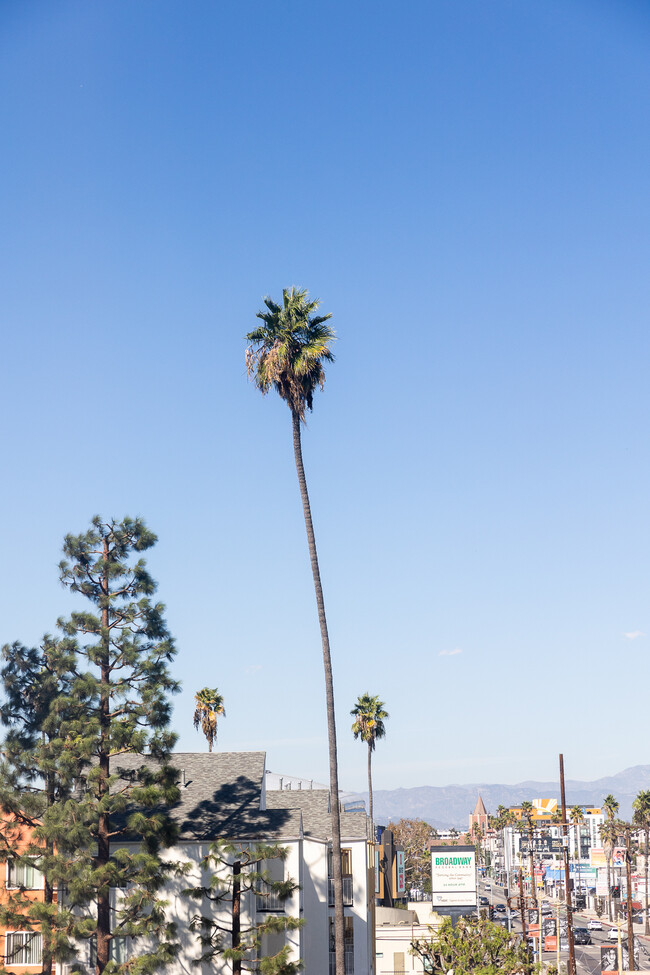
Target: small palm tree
[[641, 820], [527, 825], [209, 707], [287, 353], [577, 817], [369, 716]]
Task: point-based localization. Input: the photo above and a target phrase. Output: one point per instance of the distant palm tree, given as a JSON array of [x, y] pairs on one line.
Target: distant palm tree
[[641, 820], [504, 818], [609, 833], [527, 825], [287, 353], [209, 707], [369, 716], [476, 837], [577, 817]]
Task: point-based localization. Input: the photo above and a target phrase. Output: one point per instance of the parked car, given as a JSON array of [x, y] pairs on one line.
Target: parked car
[[594, 924], [581, 936]]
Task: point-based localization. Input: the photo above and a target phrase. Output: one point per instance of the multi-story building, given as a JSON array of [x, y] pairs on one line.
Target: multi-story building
[[547, 843], [20, 943], [224, 796]]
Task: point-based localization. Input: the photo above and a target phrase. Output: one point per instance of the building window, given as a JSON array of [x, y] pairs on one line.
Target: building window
[[346, 863], [348, 946], [346, 871], [267, 899], [23, 873], [118, 950], [23, 948]]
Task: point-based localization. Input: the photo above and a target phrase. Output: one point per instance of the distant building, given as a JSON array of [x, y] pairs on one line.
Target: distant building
[[227, 795], [479, 818]]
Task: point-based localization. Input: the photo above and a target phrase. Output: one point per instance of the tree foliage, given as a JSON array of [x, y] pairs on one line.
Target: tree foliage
[[369, 714], [472, 947], [416, 837], [287, 352], [235, 871], [88, 748], [641, 820], [208, 707], [37, 770]]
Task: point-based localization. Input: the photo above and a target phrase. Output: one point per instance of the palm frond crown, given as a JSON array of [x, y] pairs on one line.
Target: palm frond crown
[[369, 714], [208, 707], [289, 350]]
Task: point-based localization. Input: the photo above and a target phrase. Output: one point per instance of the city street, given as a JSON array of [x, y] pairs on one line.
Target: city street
[[587, 956]]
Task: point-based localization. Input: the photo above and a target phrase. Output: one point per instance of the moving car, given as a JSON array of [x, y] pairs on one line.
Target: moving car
[[484, 902], [594, 924], [500, 908], [613, 934], [581, 936]]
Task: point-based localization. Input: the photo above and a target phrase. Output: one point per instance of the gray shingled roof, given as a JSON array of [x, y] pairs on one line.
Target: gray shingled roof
[[316, 817], [220, 796]]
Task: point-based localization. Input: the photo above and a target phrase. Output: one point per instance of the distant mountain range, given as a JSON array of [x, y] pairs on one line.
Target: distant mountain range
[[449, 806]]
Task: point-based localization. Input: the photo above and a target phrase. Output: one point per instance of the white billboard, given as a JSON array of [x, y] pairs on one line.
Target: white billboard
[[453, 876]]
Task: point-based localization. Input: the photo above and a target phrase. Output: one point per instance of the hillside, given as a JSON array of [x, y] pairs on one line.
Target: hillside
[[447, 806]]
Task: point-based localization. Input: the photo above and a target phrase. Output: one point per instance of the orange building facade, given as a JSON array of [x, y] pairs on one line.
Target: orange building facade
[[20, 945]]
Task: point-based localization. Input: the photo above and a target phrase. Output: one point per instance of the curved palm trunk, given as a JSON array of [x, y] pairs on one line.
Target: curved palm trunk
[[372, 821], [329, 697]]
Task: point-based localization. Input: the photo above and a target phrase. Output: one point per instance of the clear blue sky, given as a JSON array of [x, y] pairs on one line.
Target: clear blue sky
[[465, 185]]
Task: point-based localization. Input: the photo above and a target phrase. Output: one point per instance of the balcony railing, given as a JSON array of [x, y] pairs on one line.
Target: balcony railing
[[347, 891], [349, 962], [268, 899]]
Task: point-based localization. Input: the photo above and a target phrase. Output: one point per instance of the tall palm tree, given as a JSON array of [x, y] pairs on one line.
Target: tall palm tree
[[527, 825], [287, 353], [208, 707], [504, 819], [609, 832], [577, 817], [641, 820], [369, 716]]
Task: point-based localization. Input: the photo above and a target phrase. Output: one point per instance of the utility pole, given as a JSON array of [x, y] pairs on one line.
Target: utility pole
[[567, 874], [522, 903]]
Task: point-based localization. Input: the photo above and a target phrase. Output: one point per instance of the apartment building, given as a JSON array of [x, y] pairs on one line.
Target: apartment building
[[224, 796]]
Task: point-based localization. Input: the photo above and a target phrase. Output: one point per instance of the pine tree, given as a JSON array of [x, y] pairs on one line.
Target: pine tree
[[110, 834], [235, 871], [38, 711]]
